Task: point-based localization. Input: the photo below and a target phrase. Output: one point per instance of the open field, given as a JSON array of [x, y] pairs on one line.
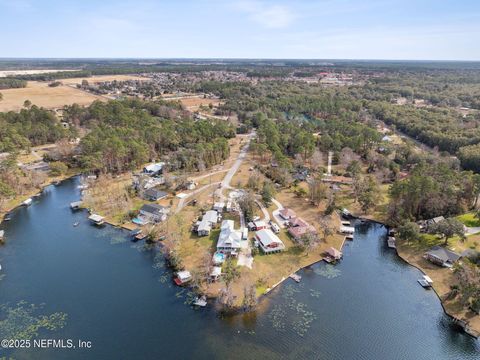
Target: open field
[[193, 102], [41, 94]]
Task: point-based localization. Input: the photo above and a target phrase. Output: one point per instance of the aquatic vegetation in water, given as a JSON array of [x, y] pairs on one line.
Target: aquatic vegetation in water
[[143, 246], [315, 293], [117, 240], [277, 317], [2, 276], [302, 324], [289, 291], [158, 261], [24, 322], [164, 278], [328, 271]]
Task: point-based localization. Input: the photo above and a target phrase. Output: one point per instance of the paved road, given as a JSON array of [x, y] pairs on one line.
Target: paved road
[[266, 215], [181, 203], [276, 215], [207, 175]]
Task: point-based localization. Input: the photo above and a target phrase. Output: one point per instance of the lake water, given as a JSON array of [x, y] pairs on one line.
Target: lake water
[[118, 295]]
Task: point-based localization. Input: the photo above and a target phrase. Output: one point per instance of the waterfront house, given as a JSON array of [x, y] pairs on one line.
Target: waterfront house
[[287, 214], [269, 242], [154, 194], [299, 227], [154, 212], [441, 256], [229, 239]]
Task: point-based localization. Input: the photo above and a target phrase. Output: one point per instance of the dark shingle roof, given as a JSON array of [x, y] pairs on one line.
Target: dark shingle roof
[[153, 208], [444, 254]]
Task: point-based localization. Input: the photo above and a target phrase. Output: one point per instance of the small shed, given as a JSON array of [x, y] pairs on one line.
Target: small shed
[[183, 277]]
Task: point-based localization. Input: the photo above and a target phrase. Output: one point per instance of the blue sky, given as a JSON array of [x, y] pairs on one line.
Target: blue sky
[[323, 29]]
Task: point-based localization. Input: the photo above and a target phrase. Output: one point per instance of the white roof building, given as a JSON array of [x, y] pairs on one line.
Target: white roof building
[[211, 216], [154, 168], [229, 239], [219, 206], [269, 242], [205, 226]]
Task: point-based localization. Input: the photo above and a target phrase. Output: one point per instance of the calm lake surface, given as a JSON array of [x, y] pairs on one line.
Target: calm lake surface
[[118, 295]]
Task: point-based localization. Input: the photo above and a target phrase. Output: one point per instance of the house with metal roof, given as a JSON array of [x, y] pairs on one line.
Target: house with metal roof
[[209, 219], [269, 242], [229, 239]]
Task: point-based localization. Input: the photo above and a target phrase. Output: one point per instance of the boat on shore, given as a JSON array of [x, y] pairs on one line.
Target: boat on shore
[[200, 301], [391, 242]]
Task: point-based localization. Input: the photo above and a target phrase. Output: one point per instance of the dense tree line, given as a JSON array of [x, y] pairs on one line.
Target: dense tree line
[[30, 127], [8, 83], [433, 189], [126, 134]]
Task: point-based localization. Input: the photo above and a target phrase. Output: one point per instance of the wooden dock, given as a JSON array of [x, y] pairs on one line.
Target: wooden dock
[[297, 278]]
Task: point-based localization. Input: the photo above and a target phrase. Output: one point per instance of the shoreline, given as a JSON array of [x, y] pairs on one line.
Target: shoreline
[[465, 325], [22, 198]]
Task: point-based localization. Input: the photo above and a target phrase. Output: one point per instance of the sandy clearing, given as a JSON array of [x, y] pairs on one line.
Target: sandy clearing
[[101, 78]]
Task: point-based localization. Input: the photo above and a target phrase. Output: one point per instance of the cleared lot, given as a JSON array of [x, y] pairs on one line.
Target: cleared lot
[[41, 94]]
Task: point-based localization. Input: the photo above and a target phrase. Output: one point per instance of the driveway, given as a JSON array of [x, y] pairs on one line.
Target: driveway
[[276, 215]]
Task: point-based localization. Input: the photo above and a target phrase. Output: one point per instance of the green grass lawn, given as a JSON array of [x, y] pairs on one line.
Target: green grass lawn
[[469, 220]]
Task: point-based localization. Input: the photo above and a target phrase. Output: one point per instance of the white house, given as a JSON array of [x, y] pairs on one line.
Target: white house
[[230, 239], [154, 212]]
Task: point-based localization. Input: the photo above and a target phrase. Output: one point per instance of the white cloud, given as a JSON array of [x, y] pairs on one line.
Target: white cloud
[[269, 16]]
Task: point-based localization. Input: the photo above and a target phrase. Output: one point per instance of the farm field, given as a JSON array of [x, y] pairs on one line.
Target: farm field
[[40, 94]]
